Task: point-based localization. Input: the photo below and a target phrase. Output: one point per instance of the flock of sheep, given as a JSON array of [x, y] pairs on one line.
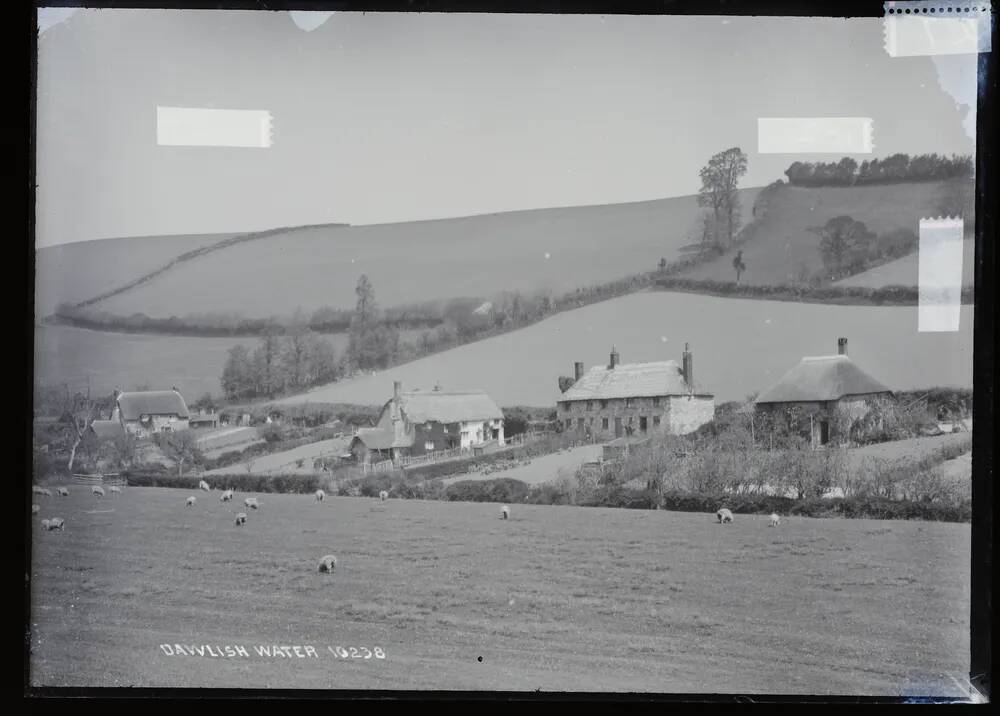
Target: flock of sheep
[[58, 523], [725, 516]]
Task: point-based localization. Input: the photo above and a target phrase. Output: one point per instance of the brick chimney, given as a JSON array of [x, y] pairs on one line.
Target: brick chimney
[[577, 371], [687, 367], [397, 388], [842, 346], [614, 358]]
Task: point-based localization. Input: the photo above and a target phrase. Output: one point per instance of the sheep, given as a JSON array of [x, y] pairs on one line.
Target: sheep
[[505, 513], [774, 520], [97, 490], [204, 486], [724, 516], [252, 503], [35, 509], [383, 495], [56, 523], [226, 496], [328, 563], [241, 519], [320, 495], [63, 492], [115, 490], [189, 502], [41, 491]]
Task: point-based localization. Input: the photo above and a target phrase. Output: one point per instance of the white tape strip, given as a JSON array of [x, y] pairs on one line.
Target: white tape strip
[[814, 135], [940, 274], [915, 28], [197, 127]]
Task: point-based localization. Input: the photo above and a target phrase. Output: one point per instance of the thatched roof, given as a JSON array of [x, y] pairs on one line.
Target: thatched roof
[[821, 379], [448, 407], [629, 380], [152, 402], [107, 429], [375, 438]]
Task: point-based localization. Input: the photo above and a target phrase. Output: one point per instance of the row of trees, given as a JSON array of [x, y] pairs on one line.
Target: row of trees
[[892, 169], [279, 362]]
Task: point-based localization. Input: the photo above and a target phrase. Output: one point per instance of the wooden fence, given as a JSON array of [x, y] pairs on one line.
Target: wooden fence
[[103, 479]]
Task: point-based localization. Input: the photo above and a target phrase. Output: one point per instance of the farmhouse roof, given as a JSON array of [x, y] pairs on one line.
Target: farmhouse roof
[[107, 429], [448, 407], [629, 380], [822, 378], [378, 439], [153, 402]]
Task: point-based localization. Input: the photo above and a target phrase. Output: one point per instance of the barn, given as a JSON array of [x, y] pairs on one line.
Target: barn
[[823, 388], [418, 422], [640, 399]]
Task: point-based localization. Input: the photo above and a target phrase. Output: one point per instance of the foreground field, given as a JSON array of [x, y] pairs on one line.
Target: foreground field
[[557, 598], [739, 346]]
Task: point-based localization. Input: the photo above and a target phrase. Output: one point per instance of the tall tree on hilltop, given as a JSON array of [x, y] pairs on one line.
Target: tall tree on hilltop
[[719, 183]]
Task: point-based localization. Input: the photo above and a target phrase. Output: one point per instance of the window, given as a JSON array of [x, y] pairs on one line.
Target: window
[[590, 405], [579, 423], [604, 403], [628, 404], [604, 423], [656, 421], [428, 446], [656, 402], [569, 423], [642, 423]]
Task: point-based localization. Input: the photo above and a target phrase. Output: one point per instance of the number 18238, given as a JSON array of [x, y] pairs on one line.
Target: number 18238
[[357, 652]]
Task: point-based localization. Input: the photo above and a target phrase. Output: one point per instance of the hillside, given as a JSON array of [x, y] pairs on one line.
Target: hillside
[[782, 248], [740, 346], [559, 249], [70, 273], [904, 271]]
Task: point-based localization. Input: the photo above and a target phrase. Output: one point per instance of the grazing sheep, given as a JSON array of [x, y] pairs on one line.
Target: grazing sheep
[[505, 513], [36, 490], [115, 490], [241, 519], [226, 496], [35, 509], [189, 502], [774, 520], [252, 503], [383, 495], [56, 523], [724, 516], [204, 486], [63, 492], [46, 491], [328, 563], [320, 495], [97, 490]]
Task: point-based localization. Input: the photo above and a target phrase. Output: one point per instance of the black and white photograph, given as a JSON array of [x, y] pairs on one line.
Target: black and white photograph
[[506, 352]]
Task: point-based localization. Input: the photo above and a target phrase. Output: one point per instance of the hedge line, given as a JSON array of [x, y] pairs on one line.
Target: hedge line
[[885, 295], [295, 484]]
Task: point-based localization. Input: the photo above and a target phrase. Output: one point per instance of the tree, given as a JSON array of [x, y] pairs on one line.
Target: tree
[[844, 243], [371, 343], [237, 374], [719, 182], [738, 265], [82, 412], [365, 308], [663, 264], [180, 446]]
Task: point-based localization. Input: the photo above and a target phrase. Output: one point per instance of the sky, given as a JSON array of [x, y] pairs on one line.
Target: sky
[[389, 117]]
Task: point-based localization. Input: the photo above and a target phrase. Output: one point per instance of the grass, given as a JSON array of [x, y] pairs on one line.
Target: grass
[[739, 346], [631, 596], [416, 261], [783, 243]]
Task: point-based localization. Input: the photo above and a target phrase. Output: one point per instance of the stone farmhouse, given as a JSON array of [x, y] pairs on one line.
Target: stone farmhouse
[[143, 413], [419, 422], [821, 387], [617, 400]]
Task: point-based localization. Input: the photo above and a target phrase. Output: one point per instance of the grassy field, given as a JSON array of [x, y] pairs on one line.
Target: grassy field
[[285, 461], [557, 598], [544, 468], [559, 248], [783, 243], [905, 271], [739, 346], [75, 272]]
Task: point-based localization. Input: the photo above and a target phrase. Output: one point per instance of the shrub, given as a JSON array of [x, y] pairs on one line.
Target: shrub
[[241, 483], [503, 489]]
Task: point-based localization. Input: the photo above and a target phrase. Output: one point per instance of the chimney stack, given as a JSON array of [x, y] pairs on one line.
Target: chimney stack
[[688, 367], [577, 371], [842, 346], [397, 387], [614, 357]]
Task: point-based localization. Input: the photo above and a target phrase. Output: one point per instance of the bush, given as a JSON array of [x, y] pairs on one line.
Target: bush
[[296, 484], [503, 489], [271, 432]]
